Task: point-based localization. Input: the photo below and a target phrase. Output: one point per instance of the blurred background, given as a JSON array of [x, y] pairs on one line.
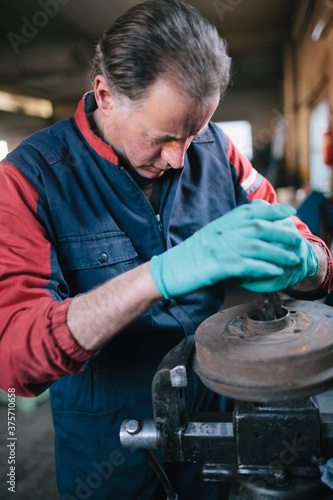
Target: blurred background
[[281, 92], [277, 110]]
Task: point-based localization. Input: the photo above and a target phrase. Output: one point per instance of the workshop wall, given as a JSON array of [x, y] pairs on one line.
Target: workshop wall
[[308, 79]]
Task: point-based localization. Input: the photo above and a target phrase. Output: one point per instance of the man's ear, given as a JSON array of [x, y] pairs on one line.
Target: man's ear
[[103, 95]]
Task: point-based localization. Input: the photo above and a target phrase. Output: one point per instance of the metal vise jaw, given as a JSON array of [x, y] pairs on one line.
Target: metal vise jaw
[[170, 413]]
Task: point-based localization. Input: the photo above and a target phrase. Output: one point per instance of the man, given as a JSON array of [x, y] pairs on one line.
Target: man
[[120, 228]]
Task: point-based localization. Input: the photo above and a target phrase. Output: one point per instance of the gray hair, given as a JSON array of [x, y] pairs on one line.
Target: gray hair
[[162, 38]]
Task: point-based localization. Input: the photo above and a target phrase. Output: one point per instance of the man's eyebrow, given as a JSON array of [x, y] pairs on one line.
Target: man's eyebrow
[[171, 137], [167, 137], [160, 137]]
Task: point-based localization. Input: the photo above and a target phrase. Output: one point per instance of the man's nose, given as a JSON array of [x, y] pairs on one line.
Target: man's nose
[[173, 152]]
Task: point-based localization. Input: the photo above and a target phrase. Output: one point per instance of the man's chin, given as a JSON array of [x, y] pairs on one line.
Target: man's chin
[[150, 172]]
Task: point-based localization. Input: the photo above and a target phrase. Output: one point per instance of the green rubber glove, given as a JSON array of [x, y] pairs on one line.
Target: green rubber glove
[[308, 266], [251, 242]]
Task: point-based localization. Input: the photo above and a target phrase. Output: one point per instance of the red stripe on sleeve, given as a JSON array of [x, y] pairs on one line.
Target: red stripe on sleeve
[[36, 346], [245, 170]]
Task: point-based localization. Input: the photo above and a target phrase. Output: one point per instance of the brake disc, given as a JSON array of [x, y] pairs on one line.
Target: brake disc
[[241, 354]]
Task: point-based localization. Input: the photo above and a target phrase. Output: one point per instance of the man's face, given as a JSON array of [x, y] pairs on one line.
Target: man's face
[[155, 137]]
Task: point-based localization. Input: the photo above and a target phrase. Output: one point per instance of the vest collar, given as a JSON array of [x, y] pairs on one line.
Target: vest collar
[[88, 105]]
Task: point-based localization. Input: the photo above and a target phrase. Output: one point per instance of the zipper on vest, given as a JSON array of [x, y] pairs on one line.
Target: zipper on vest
[[157, 217], [159, 222]]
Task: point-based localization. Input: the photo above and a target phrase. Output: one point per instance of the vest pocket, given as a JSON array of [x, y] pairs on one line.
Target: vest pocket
[[89, 260], [94, 251]]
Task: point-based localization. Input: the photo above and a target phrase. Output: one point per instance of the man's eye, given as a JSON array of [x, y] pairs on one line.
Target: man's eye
[[151, 143]]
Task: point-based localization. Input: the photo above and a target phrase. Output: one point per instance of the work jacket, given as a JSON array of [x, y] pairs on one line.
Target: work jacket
[[73, 217]]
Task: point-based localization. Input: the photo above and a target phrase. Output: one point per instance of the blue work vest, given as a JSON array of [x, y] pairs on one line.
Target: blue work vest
[[100, 224]]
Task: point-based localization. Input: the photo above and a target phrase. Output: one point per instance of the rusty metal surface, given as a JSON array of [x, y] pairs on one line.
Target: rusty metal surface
[[242, 357]]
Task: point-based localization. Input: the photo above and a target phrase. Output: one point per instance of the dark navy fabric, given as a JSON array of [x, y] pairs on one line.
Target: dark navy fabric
[[100, 224]]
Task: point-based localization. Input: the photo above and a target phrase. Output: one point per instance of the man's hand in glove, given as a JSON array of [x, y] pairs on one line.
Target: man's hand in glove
[[307, 267], [256, 243]]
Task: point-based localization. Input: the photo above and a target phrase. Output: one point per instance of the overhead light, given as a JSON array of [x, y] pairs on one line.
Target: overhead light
[[31, 106], [318, 30], [325, 18]]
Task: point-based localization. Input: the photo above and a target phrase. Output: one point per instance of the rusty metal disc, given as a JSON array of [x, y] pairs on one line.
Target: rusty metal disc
[[240, 356]]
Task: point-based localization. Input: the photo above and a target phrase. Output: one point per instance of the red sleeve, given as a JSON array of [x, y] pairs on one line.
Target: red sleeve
[[36, 346], [305, 231], [257, 187]]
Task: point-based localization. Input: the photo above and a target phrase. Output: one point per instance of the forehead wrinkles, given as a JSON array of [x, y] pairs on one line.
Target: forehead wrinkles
[[179, 127]]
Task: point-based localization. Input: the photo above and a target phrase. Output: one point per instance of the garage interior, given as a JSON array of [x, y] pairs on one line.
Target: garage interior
[[282, 85]]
